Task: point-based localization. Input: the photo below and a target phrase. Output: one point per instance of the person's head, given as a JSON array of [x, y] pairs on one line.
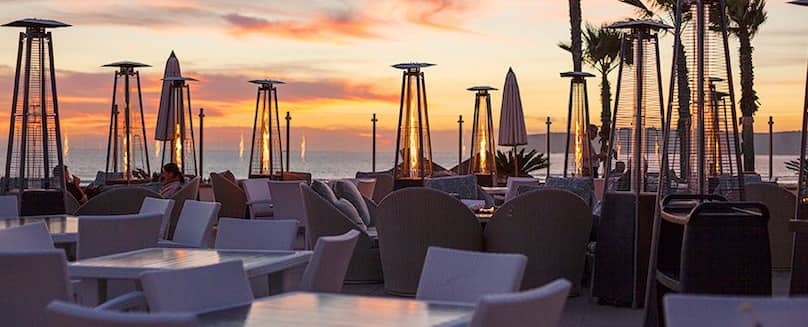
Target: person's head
[[592, 131], [619, 166], [61, 170], [171, 172]]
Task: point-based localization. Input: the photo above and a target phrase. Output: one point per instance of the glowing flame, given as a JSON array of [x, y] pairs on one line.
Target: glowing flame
[[156, 148], [579, 149], [241, 147], [177, 146], [66, 146], [125, 158], [303, 149], [483, 154], [265, 146]]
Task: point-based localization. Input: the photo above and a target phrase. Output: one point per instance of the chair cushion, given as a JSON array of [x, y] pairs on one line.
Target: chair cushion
[[262, 209], [323, 190], [344, 189], [464, 186], [349, 211]]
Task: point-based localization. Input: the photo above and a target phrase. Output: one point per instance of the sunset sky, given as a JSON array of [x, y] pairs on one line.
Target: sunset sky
[[336, 57]]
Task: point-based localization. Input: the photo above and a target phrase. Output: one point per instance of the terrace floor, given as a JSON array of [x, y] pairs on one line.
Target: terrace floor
[[582, 311]]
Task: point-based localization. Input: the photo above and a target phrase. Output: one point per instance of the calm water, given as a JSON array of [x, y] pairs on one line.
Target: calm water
[[85, 163]]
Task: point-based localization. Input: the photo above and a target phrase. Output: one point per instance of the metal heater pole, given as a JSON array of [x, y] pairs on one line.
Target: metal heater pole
[[547, 148], [201, 139], [374, 120], [459, 143], [771, 148], [288, 118]]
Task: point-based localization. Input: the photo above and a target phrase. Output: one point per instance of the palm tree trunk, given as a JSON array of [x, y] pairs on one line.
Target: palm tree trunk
[[575, 35], [748, 101], [605, 112]]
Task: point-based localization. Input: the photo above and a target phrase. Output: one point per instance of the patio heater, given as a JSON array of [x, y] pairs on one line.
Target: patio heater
[[632, 170], [34, 137], [266, 154], [483, 155], [704, 239], [180, 146], [413, 159], [127, 149], [799, 264], [578, 150]]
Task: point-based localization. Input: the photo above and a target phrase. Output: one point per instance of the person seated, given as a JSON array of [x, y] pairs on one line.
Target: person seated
[[72, 183], [171, 180]]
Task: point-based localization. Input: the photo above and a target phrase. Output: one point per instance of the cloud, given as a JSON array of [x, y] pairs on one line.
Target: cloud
[[440, 14], [345, 24]]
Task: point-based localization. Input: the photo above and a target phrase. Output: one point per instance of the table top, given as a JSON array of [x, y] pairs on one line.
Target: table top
[[63, 228], [129, 265], [727, 311], [319, 309]]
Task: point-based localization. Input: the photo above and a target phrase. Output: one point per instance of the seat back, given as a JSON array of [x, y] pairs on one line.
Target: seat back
[[29, 281], [42, 202], [409, 221], [537, 307], [124, 200], [196, 222], [287, 200], [551, 227], [365, 186], [382, 187], [781, 204], [26, 237], [161, 206], [9, 208], [465, 276], [189, 191], [62, 314], [709, 310], [256, 234], [329, 263], [103, 235], [257, 189], [197, 290], [230, 195]]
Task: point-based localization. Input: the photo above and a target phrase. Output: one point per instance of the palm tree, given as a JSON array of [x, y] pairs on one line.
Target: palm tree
[[744, 20], [601, 50], [575, 34]]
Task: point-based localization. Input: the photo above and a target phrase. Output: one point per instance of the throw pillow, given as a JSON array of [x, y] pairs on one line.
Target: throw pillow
[[344, 189], [349, 211], [323, 190]]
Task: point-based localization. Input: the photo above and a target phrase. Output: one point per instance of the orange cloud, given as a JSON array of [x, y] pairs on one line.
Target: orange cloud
[[440, 14], [323, 27]]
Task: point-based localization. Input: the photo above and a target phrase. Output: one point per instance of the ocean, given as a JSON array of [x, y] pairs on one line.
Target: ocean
[[84, 163]]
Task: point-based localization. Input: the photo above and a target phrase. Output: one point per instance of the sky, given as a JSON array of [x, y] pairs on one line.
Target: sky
[[336, 57]]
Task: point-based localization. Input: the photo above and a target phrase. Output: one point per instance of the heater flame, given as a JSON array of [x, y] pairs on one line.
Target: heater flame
[[66, 146], [177, 146], [241, 147], [125, 157], [156, 148], [265, 148], [483, 154], [579, 149], [303, 149]]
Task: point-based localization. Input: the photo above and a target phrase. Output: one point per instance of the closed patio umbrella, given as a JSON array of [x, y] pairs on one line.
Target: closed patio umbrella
[[512, 131], [164, 131]]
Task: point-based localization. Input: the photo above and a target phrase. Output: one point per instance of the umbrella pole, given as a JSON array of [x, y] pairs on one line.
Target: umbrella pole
[[515, 163]]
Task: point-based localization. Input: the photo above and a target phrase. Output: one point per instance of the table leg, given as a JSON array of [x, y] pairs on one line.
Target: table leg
[[102, 290], [275, 283]]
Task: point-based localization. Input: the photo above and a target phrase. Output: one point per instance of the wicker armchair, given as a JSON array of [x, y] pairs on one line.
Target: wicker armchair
[[326, 220], [117, 201], [230, 195], [188, 192], [550, 227], [411, 220]]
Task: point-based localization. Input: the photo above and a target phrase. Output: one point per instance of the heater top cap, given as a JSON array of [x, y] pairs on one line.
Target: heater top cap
[[126, 63], [482, 88], [577, 74], [266, 81], [799, 2], [642, 23], [171, 79], [409, 65], [36, 22]]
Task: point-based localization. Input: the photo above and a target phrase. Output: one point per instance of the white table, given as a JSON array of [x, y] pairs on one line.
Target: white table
[[129, 265], [64, 229], [319, 309]]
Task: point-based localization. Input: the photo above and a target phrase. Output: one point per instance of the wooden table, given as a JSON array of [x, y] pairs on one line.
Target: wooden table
[[63, 229], [129, 265], [313, 309]]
